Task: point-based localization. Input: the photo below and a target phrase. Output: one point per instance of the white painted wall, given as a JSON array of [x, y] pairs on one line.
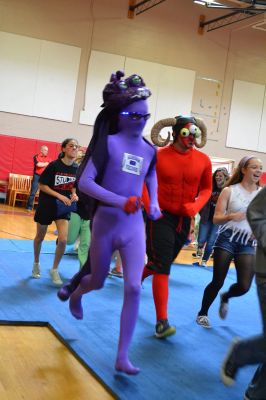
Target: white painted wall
[[165, 35]]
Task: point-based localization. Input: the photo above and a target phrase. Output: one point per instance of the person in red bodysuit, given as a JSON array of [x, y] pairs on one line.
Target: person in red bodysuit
[[184, 186]]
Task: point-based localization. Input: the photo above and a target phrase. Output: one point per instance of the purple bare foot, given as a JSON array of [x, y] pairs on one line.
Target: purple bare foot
[[126, 367], [64, 293], [75, 306]]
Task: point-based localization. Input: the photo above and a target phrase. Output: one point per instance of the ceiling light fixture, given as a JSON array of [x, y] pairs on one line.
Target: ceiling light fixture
[[207, 2], [202, 3], [254, 5]]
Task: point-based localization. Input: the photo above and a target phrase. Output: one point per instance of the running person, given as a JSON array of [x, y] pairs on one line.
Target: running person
[[235, 239], [207, 229], [117, 163], [57, 187], [184, 186]]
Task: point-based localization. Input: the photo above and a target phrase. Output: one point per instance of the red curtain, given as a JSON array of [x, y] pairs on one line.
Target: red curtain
[[263, 178], [17, 154]]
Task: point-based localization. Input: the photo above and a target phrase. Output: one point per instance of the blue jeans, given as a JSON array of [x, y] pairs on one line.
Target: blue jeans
[[207, 234], [234, 247], [253, 351], [33, 191]]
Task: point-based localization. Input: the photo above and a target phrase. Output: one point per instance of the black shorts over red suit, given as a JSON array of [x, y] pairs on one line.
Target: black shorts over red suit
[[165, 239]]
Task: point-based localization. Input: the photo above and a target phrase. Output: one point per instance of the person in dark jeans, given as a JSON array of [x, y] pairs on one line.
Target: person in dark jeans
[[253, 350], [207, 229], [41, 161]]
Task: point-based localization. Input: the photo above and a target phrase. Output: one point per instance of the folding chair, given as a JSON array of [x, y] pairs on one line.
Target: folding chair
[[20, 189]]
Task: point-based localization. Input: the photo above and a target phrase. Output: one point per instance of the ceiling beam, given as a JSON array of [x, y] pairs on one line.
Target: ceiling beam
[[142, 6], [240, 9], [238, 14]]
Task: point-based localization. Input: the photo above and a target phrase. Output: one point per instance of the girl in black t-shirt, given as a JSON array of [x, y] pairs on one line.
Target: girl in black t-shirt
[[57, 190]]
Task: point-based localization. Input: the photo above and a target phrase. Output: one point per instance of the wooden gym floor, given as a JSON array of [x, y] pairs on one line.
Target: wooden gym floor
[[17, 223], [34, 365]]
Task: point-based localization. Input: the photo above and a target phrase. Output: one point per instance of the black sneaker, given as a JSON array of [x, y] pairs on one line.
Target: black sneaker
[[163, 329], [229, 367]]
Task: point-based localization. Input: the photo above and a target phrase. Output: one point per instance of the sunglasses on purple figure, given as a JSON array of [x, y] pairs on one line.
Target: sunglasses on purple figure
[[135, 116]]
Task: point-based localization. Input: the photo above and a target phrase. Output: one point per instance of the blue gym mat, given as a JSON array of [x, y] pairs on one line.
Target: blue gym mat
[[182, 367]]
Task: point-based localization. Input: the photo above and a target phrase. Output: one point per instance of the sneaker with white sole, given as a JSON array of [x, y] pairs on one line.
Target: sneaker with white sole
[[203, 321], [223, 309], [36, 270], [229, 368], [55, 277], [203, 263]]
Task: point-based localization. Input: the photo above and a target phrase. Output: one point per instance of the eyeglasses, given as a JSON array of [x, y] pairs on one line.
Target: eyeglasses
[[135, 116]]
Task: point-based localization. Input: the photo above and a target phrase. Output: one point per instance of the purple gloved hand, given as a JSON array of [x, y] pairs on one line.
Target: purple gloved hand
[[154, 212]]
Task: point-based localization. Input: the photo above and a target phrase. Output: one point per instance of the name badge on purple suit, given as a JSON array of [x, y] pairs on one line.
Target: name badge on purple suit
[[132, 164]]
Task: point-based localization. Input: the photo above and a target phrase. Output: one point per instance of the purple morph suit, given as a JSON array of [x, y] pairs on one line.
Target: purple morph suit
[[128, 166]]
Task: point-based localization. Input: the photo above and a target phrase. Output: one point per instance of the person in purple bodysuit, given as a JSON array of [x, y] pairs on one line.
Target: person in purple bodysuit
[[115, 180]]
